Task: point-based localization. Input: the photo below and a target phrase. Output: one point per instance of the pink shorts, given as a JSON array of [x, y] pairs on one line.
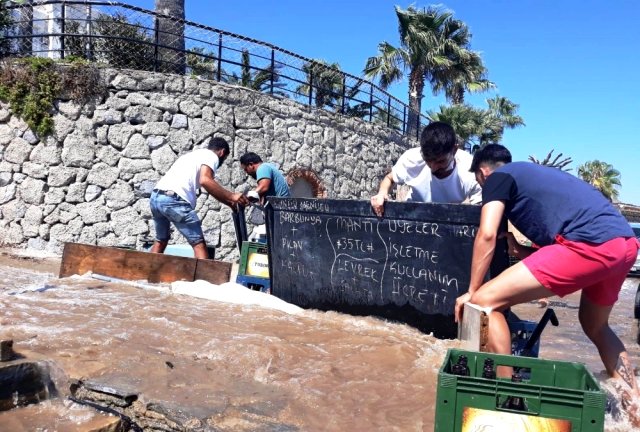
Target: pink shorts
[[598, 269]]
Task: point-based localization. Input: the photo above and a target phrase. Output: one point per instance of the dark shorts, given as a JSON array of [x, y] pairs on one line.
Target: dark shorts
[[167, 209], [597, 269]]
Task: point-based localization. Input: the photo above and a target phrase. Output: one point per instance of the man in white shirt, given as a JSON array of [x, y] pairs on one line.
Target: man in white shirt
[[437, 171], [174, 198]]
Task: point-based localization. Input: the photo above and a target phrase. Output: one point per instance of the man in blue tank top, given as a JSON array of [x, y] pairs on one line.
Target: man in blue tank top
[[582, 243], [270, 180]]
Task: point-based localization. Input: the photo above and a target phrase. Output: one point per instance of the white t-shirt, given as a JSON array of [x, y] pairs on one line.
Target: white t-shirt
[[184, 175], [459, 186]]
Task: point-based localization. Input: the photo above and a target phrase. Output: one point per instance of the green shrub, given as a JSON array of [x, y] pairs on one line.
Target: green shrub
[[31, 85]]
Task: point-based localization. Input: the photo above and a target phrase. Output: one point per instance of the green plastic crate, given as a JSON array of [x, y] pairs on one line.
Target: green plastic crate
[[559, 396], [254, 260]]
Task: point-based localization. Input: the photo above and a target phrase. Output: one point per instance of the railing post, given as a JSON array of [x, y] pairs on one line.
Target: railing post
[[156, 38], [371, 103], [273, 68], [404, 119], [311, 84], [89, 30], [219, 57], [388, 110], [344, 93], [63, 17]]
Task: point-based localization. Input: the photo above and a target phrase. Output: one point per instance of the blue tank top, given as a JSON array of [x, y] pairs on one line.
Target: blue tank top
[[542, 202]]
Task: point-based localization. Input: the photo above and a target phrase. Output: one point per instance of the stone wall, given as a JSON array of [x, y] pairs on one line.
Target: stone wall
[[90, 180]]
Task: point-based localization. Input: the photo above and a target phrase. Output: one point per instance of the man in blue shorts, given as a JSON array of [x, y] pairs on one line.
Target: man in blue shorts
[[174, 198], [583, 242], [271, 182]]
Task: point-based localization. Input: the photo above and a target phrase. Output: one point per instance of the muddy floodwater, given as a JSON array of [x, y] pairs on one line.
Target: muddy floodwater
[[248, 368]]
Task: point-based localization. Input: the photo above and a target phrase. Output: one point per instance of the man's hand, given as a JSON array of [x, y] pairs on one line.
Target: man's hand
[[253, 196], [377, 203], [460, 301], [514, 246], [238, 199]]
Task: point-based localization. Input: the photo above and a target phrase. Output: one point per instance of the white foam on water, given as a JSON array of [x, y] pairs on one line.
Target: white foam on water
[[31, 253], [617, 419], [136, 283], [35, 329], [231, 292]]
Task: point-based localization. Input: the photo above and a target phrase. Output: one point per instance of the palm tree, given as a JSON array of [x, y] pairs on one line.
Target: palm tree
[[170, 31], [476, 126], [263, 80], [385, 118], [429, 39], [347, 101], [555, 163], [202, 63], [465, 120], [324, 81], [466, 73], [602, 176], [505, 110]]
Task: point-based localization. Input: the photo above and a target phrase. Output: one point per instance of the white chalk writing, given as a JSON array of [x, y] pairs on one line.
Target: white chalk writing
[[299, 218], [407, 227]]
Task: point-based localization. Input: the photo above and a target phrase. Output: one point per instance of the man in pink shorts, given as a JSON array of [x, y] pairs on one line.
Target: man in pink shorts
[[584, 244]]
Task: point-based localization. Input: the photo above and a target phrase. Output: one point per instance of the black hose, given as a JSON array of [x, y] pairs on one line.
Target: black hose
[[549, 315]]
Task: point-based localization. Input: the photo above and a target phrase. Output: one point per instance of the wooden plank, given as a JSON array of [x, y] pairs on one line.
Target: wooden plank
[[474, 329], [215, 272], [76, 259], [135, 265]]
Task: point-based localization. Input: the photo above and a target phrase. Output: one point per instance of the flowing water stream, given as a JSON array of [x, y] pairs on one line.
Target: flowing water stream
[[248, 367]]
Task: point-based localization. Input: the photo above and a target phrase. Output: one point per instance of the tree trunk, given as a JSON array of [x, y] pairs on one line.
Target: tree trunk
[[416, 89], [457, 95], [171, 57]]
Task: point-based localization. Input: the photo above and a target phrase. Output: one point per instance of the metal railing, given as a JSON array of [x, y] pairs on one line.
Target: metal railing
[[125, 36]]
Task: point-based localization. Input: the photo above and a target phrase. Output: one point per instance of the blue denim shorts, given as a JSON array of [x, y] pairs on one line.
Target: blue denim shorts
[[167, 209]]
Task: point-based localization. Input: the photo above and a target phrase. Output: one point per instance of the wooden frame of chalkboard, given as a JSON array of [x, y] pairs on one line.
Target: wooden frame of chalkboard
[[408, 266]]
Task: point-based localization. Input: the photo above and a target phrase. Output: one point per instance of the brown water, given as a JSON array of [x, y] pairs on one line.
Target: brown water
[[311, 372]]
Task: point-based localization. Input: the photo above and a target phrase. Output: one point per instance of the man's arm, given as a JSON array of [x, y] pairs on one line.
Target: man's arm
[[263, 186], [483, 248], [377, 201], [485, 243], [474, 195], [516, 249], [223, 195]]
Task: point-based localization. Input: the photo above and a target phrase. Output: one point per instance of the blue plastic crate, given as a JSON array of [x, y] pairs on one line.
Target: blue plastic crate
[[255, 283]]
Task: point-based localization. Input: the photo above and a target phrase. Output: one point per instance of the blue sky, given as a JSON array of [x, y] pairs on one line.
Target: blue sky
[[571, 65]]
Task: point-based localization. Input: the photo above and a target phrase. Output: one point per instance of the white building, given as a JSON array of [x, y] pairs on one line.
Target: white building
[[47, 26]]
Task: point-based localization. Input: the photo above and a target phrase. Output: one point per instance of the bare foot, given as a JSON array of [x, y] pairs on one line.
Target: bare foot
[[543, 302], [628, 402]]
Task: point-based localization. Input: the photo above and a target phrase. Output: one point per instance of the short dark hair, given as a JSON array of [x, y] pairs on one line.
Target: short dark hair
[[492, 155], [437, 139], [218, 143], [250, 158]]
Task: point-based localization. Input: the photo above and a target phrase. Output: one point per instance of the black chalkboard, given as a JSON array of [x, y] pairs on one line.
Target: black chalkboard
[[408, 266]]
